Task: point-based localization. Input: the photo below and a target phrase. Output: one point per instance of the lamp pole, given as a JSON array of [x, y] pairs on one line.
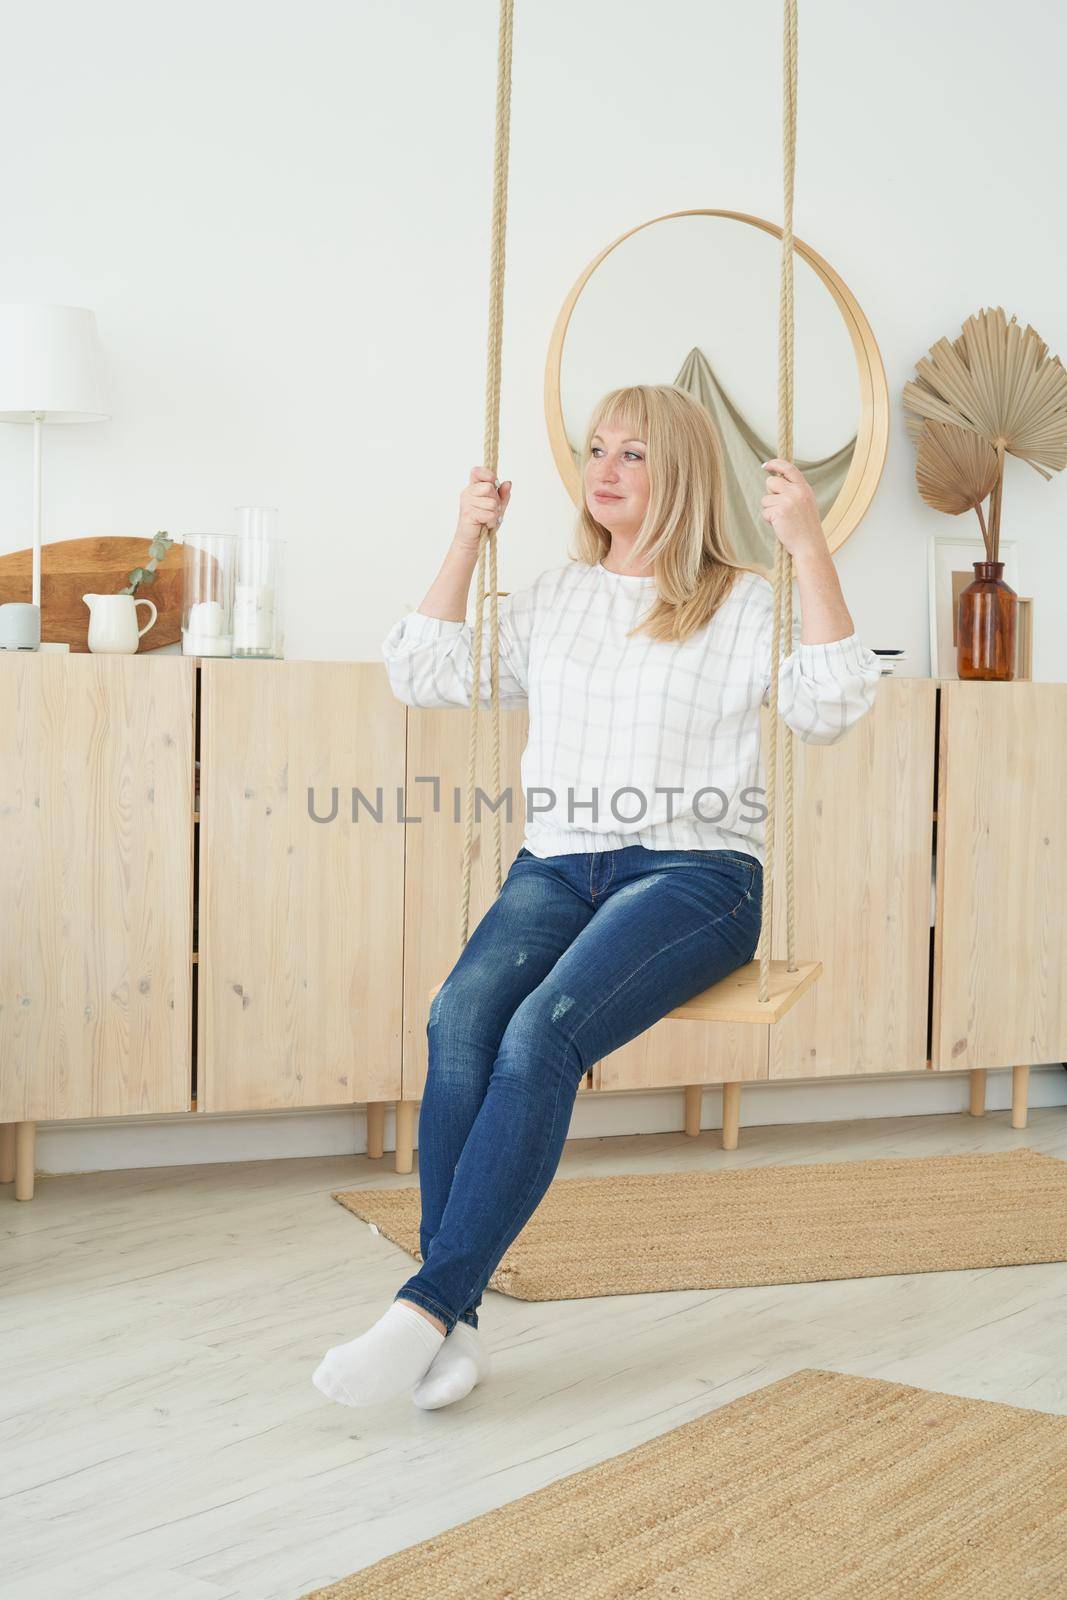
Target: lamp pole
[[38, 420]]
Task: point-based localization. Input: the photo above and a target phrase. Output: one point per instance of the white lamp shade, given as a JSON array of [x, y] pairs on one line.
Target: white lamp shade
[[50, 364]]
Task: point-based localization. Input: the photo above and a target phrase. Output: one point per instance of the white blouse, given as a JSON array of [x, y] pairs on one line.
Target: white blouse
[[636, 741]]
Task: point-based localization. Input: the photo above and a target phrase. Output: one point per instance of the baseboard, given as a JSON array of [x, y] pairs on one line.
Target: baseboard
[[121, 1143]]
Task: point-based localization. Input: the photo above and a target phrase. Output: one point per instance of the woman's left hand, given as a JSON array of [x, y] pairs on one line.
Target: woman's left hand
[[789, 506]]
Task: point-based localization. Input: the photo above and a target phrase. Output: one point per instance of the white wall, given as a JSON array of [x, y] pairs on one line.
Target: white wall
[[712, 283], [280, 214]]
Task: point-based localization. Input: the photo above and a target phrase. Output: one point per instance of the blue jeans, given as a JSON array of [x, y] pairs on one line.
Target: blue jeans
[[577, 955]]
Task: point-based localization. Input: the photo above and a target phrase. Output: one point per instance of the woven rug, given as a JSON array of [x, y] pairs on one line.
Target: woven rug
[[816, 1487], [649, 1233]]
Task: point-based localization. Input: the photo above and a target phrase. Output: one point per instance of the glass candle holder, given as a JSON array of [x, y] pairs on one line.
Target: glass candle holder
[[207, 593], [257, 599]]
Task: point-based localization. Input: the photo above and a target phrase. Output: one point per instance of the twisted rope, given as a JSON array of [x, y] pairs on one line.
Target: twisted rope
[[783, 561], [490, 453]]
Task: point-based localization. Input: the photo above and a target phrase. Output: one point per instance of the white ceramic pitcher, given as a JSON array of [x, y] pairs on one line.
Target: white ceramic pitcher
[[113, 623]]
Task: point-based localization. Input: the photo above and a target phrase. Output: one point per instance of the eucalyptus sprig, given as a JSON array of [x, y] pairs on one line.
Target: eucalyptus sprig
[[156, 550]]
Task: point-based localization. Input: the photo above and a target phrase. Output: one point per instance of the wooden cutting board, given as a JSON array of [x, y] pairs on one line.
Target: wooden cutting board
[[73, 567]]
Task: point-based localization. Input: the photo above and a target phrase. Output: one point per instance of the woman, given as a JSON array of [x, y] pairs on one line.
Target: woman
[[644, 662]]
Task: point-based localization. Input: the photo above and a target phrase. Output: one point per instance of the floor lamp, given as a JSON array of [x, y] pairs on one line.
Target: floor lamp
[[50, 371]]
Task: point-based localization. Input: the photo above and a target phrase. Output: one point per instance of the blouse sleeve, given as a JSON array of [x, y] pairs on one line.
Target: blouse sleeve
[[430, 661], [822, 688]]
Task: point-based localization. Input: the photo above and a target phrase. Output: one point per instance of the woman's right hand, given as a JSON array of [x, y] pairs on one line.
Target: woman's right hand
[[481, 505]]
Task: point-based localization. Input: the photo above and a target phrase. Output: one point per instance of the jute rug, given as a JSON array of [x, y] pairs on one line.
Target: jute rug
[[816, 1487], [647, 1233]]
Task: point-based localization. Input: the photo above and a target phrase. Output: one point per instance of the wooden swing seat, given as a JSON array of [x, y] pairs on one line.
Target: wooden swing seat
[[736, 998]]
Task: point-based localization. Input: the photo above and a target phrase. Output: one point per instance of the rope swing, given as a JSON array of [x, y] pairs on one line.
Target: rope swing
[[783, 560], [490, 452], [737, 998]]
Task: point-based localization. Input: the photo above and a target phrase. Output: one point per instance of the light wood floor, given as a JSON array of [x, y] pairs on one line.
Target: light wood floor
[[161, 1439]]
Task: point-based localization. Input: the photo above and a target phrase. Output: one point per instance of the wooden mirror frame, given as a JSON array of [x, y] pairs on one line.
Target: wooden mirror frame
[[872, 435]]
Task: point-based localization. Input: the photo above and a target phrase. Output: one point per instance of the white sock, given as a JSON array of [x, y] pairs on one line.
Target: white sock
[[388, 1358], [461, 1362]]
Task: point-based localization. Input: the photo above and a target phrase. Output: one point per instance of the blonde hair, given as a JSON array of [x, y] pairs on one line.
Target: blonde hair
[[692, 561]]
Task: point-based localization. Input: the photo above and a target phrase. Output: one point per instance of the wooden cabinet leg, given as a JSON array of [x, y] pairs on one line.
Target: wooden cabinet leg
[[7, 1152], [731, 1114], [978, 1092], [1020, 1087], [405, 1134], [375, 1128], [25, 1152], [694, 1095]]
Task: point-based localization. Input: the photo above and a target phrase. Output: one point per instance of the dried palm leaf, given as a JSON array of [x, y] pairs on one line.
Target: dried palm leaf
[[956, 468], [998, 381]]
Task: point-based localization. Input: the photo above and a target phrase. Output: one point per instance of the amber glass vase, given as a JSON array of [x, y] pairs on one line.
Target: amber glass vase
[[985, 636]]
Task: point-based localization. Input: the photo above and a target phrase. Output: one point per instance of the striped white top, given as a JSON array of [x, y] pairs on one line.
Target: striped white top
[[636, 741]]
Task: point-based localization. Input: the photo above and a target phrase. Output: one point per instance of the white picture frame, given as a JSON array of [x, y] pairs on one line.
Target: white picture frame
[[951, 554]]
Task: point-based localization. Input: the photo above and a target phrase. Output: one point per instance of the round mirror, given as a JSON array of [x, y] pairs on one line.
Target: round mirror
[[692, 299]]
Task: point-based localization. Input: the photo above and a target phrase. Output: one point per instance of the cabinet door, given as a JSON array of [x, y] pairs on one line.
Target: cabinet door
[[96, 873], [669, 1053], [301, 886], [1000, 961], [862, 859], [436, 784]]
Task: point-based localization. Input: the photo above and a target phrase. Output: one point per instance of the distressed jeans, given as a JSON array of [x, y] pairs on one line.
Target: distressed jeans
[[577, 955]]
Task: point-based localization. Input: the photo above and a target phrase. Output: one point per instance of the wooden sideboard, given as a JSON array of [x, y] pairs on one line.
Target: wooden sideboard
[[229, 886]]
